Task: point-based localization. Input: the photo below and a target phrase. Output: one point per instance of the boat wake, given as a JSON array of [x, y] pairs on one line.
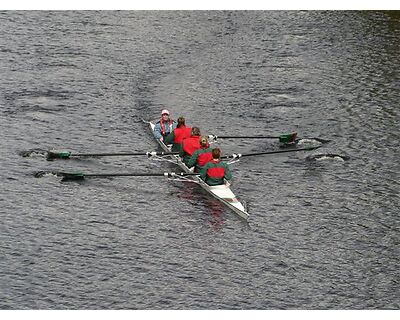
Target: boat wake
[[327, 156], [303, 143], [41, 174], [34, 153], [306, 142]]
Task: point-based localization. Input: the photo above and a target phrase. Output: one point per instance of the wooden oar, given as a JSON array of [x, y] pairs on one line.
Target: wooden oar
[[239, 155], [80, 175], [53, 154]]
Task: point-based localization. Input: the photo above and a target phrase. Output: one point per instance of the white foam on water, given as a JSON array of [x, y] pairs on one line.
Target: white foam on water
[[324, 158]]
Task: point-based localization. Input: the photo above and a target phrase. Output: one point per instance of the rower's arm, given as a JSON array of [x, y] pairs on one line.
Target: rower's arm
[[228, 174], [193, 159], [181, 152], [203, 172], [157, 131]]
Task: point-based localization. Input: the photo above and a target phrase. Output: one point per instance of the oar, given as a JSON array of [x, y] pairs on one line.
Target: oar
[[284, 138], [51, 155], [81, 175], [239, 155]]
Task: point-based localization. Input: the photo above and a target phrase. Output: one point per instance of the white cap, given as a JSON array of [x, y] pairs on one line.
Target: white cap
[[165, 111]]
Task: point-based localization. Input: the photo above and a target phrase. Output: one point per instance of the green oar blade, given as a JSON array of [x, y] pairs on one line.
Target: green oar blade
[[68, 176], [65, 175], [288, 138], [51, 155]]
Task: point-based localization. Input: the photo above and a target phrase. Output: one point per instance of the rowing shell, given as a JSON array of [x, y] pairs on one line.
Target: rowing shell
[[222, 192]]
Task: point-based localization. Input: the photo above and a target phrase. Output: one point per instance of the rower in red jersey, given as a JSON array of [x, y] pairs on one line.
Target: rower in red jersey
[[215, 171], [201, 156], [178, 134], [190, 145]]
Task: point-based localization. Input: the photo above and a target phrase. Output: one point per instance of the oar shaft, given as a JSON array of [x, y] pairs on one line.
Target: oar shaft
[[80, 175], [118, 154], [284, 138], [99, 175], [247, 137], [165, 174], [51, 155], [269, 152]]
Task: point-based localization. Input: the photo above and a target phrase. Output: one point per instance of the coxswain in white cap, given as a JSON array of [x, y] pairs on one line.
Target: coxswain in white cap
[[164, 126]]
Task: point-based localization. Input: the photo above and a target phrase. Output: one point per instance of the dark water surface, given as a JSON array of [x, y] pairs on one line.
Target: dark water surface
[[322, 234]]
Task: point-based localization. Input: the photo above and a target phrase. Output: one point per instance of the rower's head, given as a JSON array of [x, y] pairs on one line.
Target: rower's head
[[165, 114], [195, 131], [204, 142], [216, 153], [181, 122]]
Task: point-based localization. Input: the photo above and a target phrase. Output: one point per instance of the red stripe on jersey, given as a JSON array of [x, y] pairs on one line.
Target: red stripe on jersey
[[203, 158], [216, 172], [190, 145], [181, 133]]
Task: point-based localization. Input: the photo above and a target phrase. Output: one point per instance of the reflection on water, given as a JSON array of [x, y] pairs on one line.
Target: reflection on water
[[213, 209]]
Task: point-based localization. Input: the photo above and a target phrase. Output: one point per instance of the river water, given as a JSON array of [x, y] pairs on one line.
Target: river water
[[323, 232]]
